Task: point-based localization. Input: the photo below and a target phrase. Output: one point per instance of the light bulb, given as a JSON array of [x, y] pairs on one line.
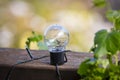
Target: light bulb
[[56, 38]]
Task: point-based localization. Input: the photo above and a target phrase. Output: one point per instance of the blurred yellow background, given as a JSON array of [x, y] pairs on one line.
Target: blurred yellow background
[[18, 18]]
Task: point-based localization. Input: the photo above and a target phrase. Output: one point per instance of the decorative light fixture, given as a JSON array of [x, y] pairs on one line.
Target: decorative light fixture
[[56, 38]]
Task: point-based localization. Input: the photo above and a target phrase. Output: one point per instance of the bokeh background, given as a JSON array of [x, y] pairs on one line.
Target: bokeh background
[[18, 18]]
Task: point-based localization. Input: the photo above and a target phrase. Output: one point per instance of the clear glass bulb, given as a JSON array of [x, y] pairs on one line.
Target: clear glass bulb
[[56, 38]]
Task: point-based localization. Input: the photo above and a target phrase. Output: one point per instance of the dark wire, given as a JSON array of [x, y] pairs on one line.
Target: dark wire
[[29, 53], [58, 72], [13, 66], [57, 69], [32, 59]]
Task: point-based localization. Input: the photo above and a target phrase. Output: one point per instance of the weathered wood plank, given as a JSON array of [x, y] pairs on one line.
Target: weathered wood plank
[[38, 69]]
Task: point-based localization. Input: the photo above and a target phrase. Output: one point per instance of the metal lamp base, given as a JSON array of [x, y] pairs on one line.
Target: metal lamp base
[[57, 58]]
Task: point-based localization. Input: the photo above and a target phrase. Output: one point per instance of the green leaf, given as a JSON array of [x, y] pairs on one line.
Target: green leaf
[[117, 23], [99, 42], [90, 71], [100, 51], [114, 72], [114, 17], [99, 3], [34, 38], [84, 67], [106, 43], [100, 37], [103, 63], [111, 15], [113, 42]]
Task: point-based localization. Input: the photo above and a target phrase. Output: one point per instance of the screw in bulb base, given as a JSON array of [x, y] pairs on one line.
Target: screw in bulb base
[[57, 58]]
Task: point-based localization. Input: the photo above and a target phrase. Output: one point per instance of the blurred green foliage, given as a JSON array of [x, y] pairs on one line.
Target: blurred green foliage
[[104, 64], [99, 3], [34, 38]]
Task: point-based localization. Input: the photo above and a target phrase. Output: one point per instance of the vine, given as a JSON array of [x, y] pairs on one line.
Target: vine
[[37, 38]]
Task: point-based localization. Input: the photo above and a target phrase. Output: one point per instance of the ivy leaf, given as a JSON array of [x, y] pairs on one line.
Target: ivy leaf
[[99, 3], [100, 45], [100, 51], [113, 42], [100, 37], [106, 43]]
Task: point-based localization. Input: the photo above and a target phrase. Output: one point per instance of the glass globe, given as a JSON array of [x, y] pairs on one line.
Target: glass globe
[[56, 38]]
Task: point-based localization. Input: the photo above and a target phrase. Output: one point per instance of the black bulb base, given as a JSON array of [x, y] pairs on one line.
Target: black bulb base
[[57, 58]]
